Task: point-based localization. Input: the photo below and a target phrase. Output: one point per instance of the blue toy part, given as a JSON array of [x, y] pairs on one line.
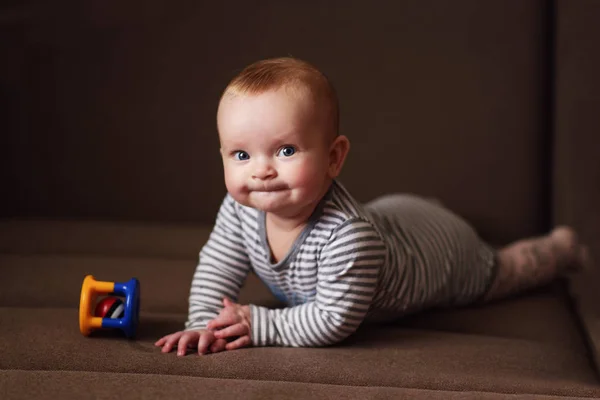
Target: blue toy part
[[129, 322]]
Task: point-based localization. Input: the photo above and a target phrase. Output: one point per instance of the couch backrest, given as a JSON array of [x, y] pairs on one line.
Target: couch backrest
[[577, 119], [111, 108]]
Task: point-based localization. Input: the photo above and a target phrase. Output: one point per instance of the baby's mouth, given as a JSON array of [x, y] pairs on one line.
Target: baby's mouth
[[269, 189], [268, 192]]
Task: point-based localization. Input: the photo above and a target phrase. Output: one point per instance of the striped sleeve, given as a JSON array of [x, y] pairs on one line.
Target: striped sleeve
[[222, 268], [348, 269]]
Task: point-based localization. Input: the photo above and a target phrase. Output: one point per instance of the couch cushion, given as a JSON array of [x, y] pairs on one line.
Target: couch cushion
[[55, 280], [16, 385], [526, 345], [44, 262], [106, 238]]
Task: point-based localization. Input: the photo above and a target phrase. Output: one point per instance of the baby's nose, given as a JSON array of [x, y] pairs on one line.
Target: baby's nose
[[264, 170]]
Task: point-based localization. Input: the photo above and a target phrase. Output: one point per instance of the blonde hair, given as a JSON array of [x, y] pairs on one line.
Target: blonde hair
[[289, 73]]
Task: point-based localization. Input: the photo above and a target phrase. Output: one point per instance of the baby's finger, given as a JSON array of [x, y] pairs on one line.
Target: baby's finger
[[184, 341], [233, 330], [243, 341], [218, 345], [170, 341], [222, 321], [161, 341], [227, 302], [204, 342]]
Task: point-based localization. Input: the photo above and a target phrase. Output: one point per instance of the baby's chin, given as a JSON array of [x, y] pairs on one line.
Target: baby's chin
[[275, 202], [281, 204]]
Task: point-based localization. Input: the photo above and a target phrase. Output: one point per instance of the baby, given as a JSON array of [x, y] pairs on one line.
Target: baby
[[334, 262]]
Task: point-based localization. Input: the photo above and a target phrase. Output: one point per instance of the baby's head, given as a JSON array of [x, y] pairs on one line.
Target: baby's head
[[278, 128]]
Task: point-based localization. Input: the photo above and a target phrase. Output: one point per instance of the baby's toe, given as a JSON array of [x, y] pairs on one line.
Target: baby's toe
[[565, 237], [585, 259]]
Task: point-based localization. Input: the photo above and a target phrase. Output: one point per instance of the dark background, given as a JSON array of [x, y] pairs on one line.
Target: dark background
[[108, 108]]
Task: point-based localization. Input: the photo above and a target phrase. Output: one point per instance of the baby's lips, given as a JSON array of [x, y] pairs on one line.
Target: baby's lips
[[268, 188]]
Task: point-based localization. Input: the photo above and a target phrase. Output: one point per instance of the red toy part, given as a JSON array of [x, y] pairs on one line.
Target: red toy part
[[110, 307]]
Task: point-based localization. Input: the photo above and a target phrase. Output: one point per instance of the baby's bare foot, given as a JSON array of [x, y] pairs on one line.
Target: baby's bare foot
[[572, 256]]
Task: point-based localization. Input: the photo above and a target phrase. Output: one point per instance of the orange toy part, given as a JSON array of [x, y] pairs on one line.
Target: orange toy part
[[89, 293]]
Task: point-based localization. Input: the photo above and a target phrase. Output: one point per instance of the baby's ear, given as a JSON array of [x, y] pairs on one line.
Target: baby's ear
[[337, 155]]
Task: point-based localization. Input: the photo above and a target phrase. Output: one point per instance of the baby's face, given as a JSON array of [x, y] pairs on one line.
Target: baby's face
[[275, 151]]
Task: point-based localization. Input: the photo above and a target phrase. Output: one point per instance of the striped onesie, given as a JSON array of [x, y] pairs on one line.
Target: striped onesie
[[351, 263]]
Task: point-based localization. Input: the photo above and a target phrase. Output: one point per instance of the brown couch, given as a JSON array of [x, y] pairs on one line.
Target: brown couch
[[110, 166]]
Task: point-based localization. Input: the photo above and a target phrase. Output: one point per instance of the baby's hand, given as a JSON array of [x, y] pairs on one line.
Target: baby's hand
[[233, 321], [203, 339]]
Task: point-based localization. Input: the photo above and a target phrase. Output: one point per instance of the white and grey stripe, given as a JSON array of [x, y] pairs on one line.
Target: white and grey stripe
[[351, 263]]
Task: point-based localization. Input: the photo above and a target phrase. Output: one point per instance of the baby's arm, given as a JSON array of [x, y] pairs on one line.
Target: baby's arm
[[348, 270], [222, 268]]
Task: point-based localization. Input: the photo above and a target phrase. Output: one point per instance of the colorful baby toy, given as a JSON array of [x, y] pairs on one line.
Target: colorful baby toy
[[110, 313]]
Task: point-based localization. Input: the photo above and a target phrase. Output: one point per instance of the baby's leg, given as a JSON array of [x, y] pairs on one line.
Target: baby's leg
[[536, 261]]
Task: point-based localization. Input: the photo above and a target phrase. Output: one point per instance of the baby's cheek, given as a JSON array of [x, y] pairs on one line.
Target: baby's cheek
[[235, 185], [309, 176]]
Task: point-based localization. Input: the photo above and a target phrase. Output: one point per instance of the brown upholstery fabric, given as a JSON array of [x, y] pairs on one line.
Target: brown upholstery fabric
[[473, 356], [85, 385], [577, 154], [146, 239], [55, 280], [51, 260], [529, 344], [115, 107]]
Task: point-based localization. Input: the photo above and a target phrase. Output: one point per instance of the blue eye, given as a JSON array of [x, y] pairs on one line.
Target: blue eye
[[241, 155], [287, 151]]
